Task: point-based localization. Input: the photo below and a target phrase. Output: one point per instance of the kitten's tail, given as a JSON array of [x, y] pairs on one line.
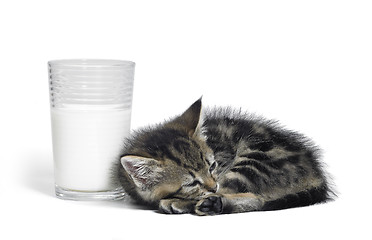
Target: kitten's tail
[[301, 199]]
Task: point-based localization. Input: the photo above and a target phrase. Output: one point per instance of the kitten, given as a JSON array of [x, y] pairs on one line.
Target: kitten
[[228, 163]]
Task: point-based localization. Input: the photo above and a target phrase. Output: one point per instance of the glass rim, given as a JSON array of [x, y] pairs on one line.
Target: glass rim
[[90, 62]]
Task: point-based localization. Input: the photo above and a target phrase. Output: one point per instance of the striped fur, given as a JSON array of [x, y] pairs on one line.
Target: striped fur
[[230, 162]]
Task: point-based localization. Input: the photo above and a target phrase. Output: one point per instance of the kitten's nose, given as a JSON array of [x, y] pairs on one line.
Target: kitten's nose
[[213, 188], [210, 185]]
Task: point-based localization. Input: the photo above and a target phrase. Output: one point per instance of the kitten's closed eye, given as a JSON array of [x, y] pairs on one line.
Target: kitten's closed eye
[[212, 167], [194, 183]]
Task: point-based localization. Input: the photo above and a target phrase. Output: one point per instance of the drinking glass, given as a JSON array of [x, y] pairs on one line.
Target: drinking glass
[[90, 102]]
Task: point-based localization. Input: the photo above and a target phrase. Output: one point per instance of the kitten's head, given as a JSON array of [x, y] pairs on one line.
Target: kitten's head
[[171, 160]]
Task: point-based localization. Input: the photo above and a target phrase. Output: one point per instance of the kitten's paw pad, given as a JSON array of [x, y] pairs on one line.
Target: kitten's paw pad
[[172, 206], [210, 205]]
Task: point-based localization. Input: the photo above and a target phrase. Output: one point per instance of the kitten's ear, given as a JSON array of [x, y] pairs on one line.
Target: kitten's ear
[[143, 171], [189, 120]]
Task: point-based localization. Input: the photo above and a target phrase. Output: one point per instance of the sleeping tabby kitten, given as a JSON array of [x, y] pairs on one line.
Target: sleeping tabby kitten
[[228, 163]]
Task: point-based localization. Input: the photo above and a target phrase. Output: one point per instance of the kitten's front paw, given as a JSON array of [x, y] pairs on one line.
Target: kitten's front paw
[[209, 205], [176, 206]]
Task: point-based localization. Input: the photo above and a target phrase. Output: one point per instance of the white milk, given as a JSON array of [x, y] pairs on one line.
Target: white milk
[[85, 144]]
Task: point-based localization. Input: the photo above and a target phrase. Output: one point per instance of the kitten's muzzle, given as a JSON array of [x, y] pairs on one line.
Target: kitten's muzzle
[[213, 188]]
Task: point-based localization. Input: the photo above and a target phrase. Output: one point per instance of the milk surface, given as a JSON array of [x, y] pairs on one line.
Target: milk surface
[[85, 145]]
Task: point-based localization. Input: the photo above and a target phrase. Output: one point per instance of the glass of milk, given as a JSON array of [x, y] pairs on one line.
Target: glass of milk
[[91, 103]]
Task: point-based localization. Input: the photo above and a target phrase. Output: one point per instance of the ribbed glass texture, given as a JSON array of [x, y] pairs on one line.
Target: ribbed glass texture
[[91, 83]]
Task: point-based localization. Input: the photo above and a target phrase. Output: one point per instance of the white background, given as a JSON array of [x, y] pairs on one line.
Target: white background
[[306, 63]]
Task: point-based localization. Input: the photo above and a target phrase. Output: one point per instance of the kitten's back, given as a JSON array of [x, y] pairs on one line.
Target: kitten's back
[[259, 156]]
